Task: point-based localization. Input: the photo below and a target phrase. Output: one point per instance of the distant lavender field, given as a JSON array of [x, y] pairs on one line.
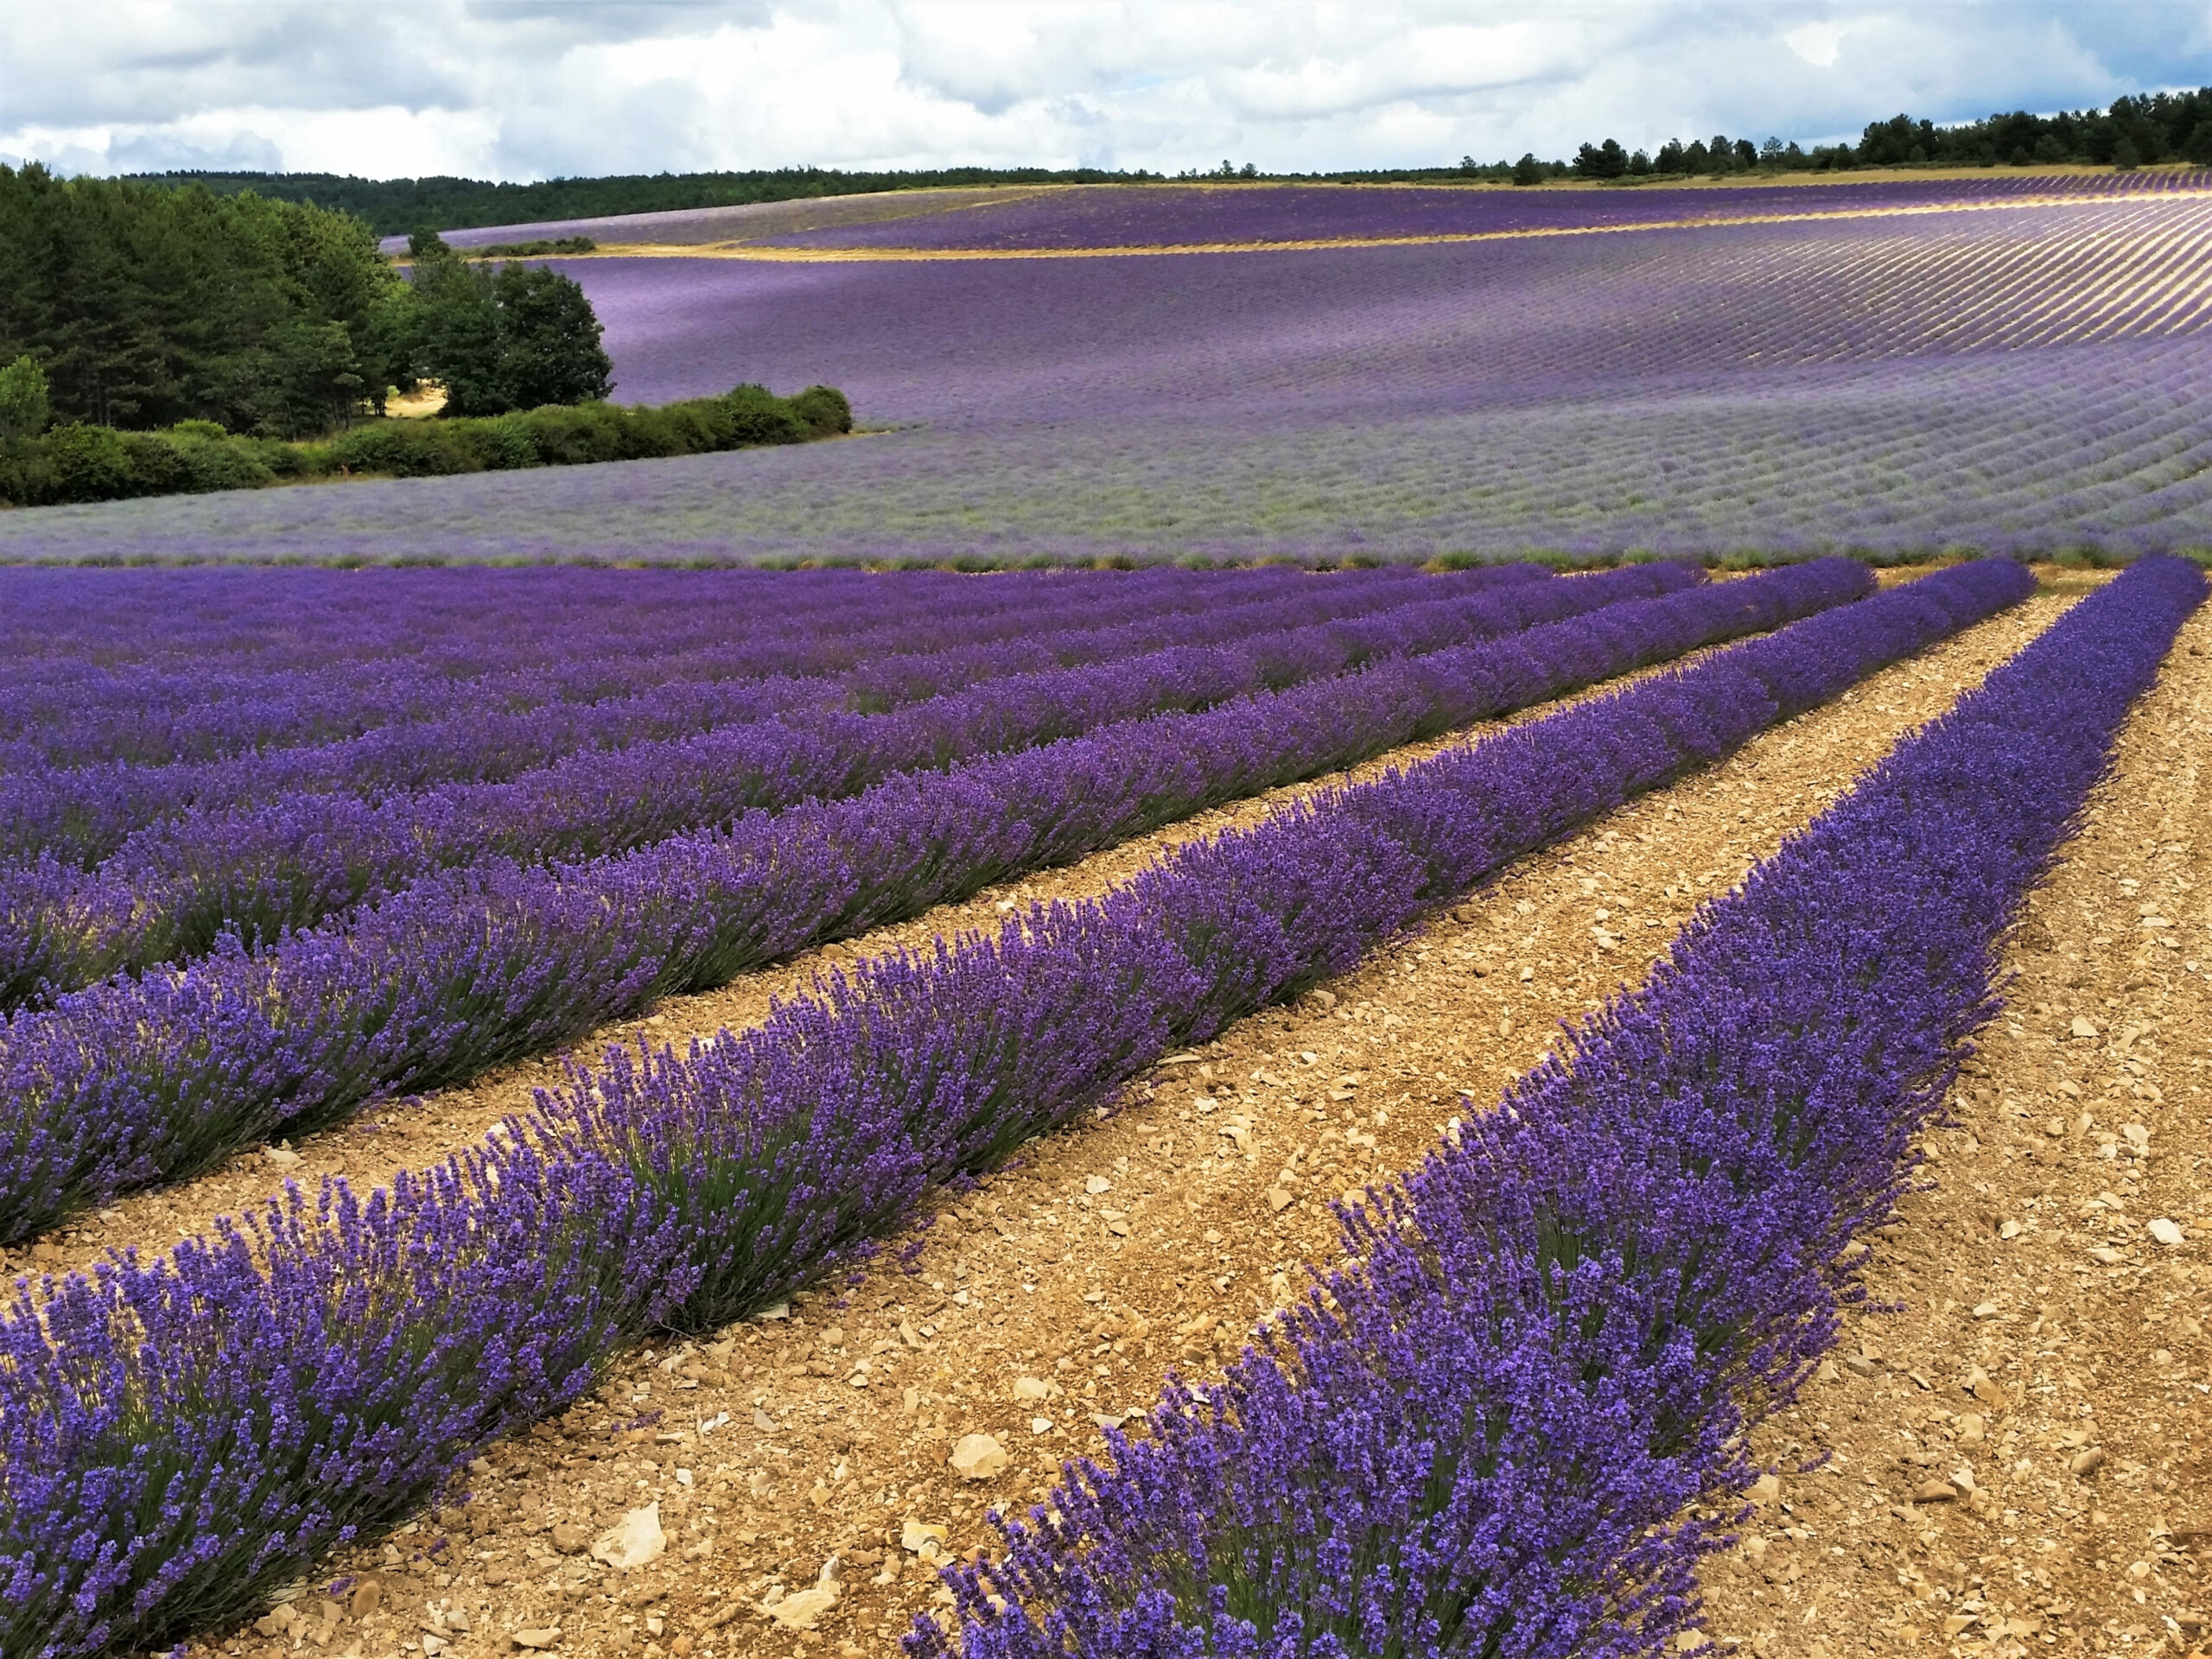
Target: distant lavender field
[[748, 221], [2015, 376], [1172, 215], [1085, 216]]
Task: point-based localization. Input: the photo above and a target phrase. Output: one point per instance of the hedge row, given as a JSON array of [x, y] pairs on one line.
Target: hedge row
[[77, 463]]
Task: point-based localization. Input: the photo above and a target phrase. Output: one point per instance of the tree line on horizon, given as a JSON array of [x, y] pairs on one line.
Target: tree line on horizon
[[2132, 132], [2136, 131]]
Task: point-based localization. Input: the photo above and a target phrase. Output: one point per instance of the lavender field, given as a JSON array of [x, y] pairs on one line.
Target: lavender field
[[367, 1348], [1331, 1106], [1160, 217], [2007, 364], [294, 861]]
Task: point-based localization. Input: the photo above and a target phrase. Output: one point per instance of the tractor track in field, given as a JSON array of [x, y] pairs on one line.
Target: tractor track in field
[[1059, 1291]]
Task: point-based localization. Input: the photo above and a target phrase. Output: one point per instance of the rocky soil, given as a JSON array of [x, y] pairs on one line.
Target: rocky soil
[[785, 1488]]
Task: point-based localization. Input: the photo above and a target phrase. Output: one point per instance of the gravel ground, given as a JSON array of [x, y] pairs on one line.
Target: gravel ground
[[2018, 1451], [1056, 1294]]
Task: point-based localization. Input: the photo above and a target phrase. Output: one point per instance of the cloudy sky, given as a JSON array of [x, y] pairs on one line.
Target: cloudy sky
[[525, 89]]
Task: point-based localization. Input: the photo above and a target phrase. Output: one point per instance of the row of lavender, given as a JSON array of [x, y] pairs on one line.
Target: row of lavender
[[82, 815], [392, 648], [1489, 1436], [182, 1436], [77, 626], [226, 677], [177, 1438], [142, 1080], [255, 870]]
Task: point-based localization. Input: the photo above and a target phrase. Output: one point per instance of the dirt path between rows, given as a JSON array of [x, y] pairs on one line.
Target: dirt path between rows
[[2021, 1453], [1058, 1293]]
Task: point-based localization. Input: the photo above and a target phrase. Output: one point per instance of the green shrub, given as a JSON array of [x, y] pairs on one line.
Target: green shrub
[[152, 467], [408, 448], [299, 460], [689, 429], [826, 410], [574, 435], [507, 445], [90, 463], [208, 457], [760, 416], [26, 477], [94, 463], [387, 446], [25, 406]]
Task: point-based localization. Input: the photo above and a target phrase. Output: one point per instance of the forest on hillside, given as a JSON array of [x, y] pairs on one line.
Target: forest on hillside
[[139, 308], [145, 307]]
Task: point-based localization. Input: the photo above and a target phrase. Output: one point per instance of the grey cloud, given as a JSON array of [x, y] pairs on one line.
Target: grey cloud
[[1946, 63], [551, 86], [555, 24], [225, 55], [159, 152], [663, 126]]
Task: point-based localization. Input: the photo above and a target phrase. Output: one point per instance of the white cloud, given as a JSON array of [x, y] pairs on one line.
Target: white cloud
[[530, 88], [1817, 43], [1418, 64]]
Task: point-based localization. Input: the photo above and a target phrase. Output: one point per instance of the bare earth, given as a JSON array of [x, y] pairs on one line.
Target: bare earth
[[1059, 1291]]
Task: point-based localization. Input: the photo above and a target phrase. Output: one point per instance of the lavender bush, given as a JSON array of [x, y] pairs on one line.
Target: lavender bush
[[1485, 1438], [379, 1344], [182, 1438], [150, 1078], [500, 728]]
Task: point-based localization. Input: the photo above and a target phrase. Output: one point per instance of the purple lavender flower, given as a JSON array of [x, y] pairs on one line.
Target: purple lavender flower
[[159, 1075], [363, 1350], [1485, 1438], [280, 857]]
